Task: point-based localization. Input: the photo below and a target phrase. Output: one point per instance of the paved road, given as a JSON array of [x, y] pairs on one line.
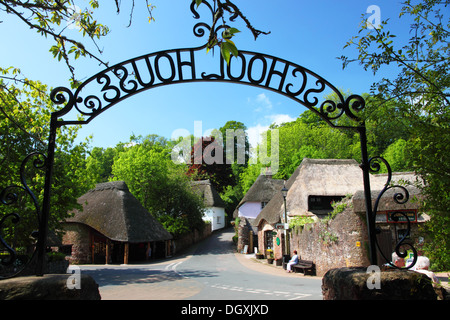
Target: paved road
[[210, 271]]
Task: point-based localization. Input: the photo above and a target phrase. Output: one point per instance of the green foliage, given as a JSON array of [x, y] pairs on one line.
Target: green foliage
[[162, 187], [55, 256], [415, 105], [327, 237], [24, 128], [338, 207], [298, 222], [437, 250], [227, 47]]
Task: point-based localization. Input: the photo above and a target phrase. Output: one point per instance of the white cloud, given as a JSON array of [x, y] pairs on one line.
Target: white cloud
[[254, 133], [280, 118], [261, 103]]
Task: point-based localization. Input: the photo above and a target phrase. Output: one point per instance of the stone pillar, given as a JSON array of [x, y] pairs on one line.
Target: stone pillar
[[354, 284]]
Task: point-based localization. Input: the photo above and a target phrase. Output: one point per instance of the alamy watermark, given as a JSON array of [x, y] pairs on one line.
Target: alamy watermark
[[74, 20], [374, 20], [214, 152], [74, 280], [374, 280]]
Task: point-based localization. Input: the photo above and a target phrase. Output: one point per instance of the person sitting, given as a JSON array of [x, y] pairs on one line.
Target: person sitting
[[422, 266], [397, 261], [293, 261]]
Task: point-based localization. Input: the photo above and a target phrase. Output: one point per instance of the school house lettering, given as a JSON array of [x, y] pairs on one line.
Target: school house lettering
[[130, 77]]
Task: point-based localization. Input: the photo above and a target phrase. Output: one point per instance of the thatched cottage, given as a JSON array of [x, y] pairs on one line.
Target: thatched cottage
[[214, 205], [248, 209], [313, 187], [113, 227]]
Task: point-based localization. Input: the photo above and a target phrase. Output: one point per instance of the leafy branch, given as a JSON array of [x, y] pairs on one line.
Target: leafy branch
[[227, 46]]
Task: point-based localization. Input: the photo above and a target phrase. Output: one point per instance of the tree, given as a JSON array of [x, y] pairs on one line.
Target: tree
[[308, 137], [99, 163], [51, 18], [24, 127], [419, 94], [240, 145], [396, 155], [162, 187], [208, 162]]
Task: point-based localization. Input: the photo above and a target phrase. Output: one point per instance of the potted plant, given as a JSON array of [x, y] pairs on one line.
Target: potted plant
[[269, 255]]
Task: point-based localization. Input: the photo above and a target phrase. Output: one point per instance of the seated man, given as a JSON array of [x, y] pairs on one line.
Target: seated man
[[294, 260]]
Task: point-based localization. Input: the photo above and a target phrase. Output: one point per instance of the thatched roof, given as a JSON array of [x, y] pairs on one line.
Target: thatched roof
[[324, 177], [209, 194], [377, 182], [321, 177], [262, 190], [112, 210]]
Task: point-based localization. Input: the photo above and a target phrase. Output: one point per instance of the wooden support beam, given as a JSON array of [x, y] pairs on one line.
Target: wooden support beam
[[126, 253]]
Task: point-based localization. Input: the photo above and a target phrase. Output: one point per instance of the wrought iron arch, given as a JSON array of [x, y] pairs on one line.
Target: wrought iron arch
[[130, 77]]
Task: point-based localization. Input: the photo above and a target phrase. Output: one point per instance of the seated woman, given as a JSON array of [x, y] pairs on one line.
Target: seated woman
[[423, 266], [294, 260]]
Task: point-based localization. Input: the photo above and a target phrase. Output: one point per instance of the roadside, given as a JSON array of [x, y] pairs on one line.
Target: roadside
[[261, 265], [443, 278]]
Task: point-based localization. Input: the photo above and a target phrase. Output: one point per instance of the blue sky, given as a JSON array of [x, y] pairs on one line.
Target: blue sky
[[308, 33]]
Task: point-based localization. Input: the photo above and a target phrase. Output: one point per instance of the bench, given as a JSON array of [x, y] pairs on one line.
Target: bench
[[305, 265]]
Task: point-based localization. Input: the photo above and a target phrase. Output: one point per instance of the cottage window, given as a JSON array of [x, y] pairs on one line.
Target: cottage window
[[402, 233], [66, 249], [263, 204], [322, 202], [268, 239]]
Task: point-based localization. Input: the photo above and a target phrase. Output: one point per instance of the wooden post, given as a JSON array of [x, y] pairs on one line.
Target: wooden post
[[250, 240], [107, 251], [126, 253], [92, 248]]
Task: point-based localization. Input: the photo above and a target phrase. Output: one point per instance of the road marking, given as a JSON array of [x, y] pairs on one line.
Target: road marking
[[286, 294], [173, 267], [281, 292], [300, 296], [169, 266]]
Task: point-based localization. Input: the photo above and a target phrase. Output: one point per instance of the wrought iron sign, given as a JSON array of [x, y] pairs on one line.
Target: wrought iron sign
[[188, 65], [168, 67]]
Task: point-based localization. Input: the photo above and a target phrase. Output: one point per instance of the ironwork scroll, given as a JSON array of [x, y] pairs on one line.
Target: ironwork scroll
[[186, 65], [9, 196], [400, 197]]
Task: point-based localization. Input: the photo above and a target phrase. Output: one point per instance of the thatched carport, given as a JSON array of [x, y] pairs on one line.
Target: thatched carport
[[114, 227]]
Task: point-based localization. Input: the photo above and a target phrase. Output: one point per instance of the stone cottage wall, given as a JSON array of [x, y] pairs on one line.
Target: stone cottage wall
[[78, 236], [342, 242], [244, 235]]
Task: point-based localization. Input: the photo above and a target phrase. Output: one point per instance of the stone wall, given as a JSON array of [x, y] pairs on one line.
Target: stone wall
[[341, 242], [190, 238], [351, 284], [244, 232], [49, 287], [78, 236]]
